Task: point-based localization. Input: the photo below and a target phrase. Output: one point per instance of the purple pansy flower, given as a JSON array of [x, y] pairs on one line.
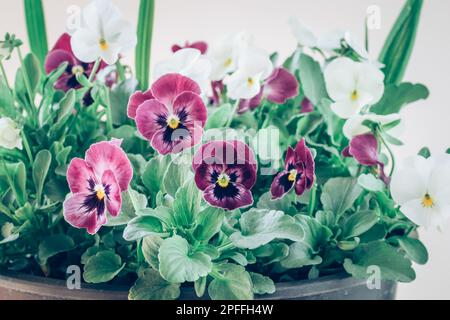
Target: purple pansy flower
[[364, 148], [278, 88], [97, 183], [307, 106], [298, 173], [226, 172], [171, 115], [199, 45]]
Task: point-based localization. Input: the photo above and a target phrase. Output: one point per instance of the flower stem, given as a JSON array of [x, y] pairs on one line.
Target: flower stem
[[312, 200], [391, 155], [120, 71], [2, 69], [233, 113], [94, 70], [26, 144], [109, 120]]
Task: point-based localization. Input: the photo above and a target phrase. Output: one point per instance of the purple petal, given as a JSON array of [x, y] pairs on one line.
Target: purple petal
[[136, 100], [251, 104], [168, 87], [149, 116], [281, 185], [305, 163], [244, 174], [78, 218], [281, 86], [307, 106], [241, 197], [364, 149], [193, 106], [291, 159], [205, 173], [79, 174], [114, 196], [200, 45]]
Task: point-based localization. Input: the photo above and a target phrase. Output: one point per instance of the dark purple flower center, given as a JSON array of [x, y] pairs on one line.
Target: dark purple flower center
[[74, 70], [174, 126], [224, 184], [98, 193]]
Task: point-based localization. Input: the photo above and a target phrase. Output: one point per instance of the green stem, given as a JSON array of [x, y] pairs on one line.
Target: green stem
[[120, 71], [226, 246], [26, 144], [2, 68], [216, 275], [391, 155], [233, 113], [27, 81], [8, 213], [94, 70], [312, 200], [109, 120]]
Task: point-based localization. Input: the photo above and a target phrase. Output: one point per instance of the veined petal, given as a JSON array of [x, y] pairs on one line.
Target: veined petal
[[281, 86], [205, 174], [114, 196], [364, 149], [244, 174], [79, 174], [281, 185], [194, 107], [58, 57], [78, 218], [236, 197], [136, 100], [85, 45], [151, 116], [168, 87], [106, 156]]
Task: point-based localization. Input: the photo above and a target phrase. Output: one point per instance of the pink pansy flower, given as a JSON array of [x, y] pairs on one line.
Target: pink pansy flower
[[199, 45], [171, 115], [62, 52], [298, 173], [307, 106], [97, 183], [226, 172], [364, 148], [278, 88]]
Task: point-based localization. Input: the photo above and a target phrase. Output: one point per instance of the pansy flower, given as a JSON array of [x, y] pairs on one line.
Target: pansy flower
[[307, 106], [171, 115], [97, 183], [364, 148], [199, 45], [226, 172], [278, 88], [298, 173]]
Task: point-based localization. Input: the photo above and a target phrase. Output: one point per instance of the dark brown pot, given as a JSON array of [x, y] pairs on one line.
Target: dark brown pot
[[337, 287]]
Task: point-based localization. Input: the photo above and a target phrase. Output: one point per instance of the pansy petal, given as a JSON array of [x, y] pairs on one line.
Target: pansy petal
[[251, 104], [407, 185], [105, 156], [364, 149], [307, 106], [168, 87], [244, 174], [63, 43], [136, 100], [192, 106], [206, 173], [290, 159], [79, 174], [281, 185], [77, 217], [281, 86], [241, 197], [165, 141], [114, 196], [57, 58], [416, 212], [150, 118], [346, 108], [85, 45]]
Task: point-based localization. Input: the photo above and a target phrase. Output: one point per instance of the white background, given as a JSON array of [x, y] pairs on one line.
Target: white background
[[427, 123]]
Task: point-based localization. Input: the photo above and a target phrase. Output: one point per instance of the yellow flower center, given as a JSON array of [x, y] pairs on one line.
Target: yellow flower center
[[77, 70], [100, 193], [223, 181], [228, 62], [173, 122], [292, 175], [355, 95], [104, 45], [250, 82], [428, 201]]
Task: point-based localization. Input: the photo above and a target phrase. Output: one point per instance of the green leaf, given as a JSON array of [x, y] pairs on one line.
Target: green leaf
[[359, 223], [187, 204], [220, 117], [426, 153], [233, 284], [448, 151], [131, 201], [178, 264], [7, 107], [392, 265], [397, 96], [53, 245], [308, 124], [209, 223], [37, 33], [272, 252], [16, 175], [414, 248], [285, 204], [151, 286], [200, 286], [143, 226], [150, 250], [339, 194], [119, 97], [33, 71], [262, 284], [399, 45], [144, 45], [371, 183], [335, 124], [177, 174], [312, 80], [102, 267], [66, 106], [41, 166], [261, 226], [305, 252], [154, 173]]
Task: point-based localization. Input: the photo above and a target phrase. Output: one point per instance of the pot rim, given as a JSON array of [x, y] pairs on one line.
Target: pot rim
[[57, 289]]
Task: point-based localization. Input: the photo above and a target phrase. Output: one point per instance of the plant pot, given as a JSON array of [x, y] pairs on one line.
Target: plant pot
[[15, 286]]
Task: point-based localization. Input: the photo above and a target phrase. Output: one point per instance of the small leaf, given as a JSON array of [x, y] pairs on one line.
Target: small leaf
[[176, 175], [119, 97], [234, 284], [312, 80], [339, 194], [150, 250], [53, 245], [359, 223], [41, 166], [154, 173], [209, 223], [414, 248], [102, 267], [143, 226], [220, 117], [66, 106], [262, 284], [178, 264], [426, 153], [151, 286], [187, 204]]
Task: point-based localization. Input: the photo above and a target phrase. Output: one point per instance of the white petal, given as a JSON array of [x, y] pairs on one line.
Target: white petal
[[332, 40], [417, 213], [239, 88], [370, 82], [121, 33], [111, 55], [254, 61], [407, 185], [345, 109], [354, 126], [340, 78], [85, 45], [305, 37], [97, 14], [356, 45]]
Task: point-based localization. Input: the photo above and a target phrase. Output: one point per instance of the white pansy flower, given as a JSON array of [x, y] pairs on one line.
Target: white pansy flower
[[190, 63], [355, 125], [353, 86], [304, 35], [224, 54], [9, 134], [103, 33], [254, 66], [422, 190]]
